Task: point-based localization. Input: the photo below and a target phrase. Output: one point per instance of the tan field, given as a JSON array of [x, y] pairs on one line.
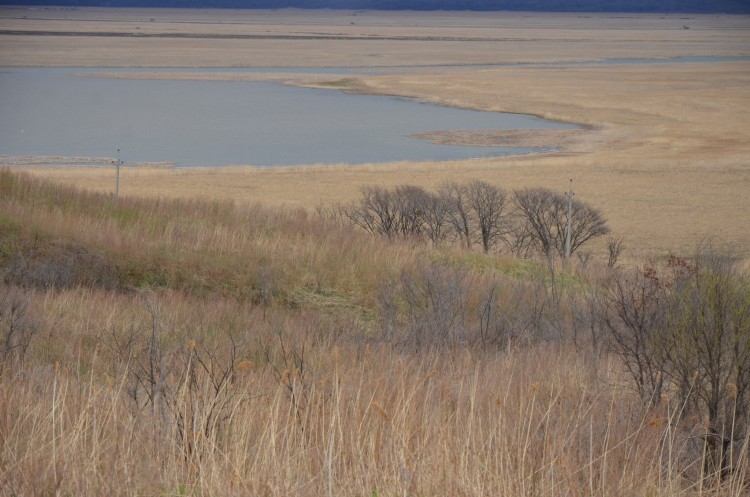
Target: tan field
[[153, 346], [666, 154]]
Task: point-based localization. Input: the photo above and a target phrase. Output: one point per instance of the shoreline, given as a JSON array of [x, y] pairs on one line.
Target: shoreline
[[543, 141], [405, 68], [665, 160]]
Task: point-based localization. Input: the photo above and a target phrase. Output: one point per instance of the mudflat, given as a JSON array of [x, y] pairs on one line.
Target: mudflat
[[665, 153]]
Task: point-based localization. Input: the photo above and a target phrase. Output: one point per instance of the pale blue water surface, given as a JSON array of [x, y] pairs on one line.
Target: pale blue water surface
[[50, 112]]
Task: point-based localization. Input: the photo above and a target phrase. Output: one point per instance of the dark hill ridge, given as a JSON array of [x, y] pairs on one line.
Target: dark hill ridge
[[661, 6]]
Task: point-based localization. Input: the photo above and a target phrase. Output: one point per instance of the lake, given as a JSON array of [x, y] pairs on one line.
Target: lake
[[50, 112]]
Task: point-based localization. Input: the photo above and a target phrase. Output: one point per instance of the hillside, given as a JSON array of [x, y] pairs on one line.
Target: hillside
[[175, 347]]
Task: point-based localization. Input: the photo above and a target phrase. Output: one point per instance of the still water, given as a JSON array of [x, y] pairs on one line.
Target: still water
[[50, 112]]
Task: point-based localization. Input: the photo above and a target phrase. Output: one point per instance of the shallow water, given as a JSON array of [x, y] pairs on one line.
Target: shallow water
[[213, 123]]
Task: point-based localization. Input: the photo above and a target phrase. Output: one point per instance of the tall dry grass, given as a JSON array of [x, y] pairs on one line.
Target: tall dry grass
[[200, 247], [363, 418], [158, 385]]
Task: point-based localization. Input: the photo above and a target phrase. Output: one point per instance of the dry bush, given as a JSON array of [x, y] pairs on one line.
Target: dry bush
[[435, 299], [683, 333], [439, 305], [512, 313], [631, 313], [17, 328]]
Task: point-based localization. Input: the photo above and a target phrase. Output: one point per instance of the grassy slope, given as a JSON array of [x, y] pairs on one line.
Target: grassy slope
[[200, 248], [314, 404]]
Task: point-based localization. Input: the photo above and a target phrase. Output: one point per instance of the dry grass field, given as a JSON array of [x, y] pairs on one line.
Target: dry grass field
[[163, 347], [666, 159], [209, 334]]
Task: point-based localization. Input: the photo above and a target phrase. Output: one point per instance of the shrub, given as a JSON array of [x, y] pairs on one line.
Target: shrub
[[685, 333]]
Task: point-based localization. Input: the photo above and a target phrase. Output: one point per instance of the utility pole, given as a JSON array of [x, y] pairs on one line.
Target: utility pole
[[117, 177], [570, 214]]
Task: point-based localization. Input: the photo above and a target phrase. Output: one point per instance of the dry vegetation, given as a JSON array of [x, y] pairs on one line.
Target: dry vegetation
[[209, 333], [167, 347], [666, 159]]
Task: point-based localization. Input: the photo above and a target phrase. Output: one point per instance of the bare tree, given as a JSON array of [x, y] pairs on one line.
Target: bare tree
[[615, 246], [456, 197], [189, 388], [374, 212], [520, 240], [631, 315], [535, 207], [437, 219], [381, 211], [477, 211], [409, 204], [586, 223], [544, 213], [488, 204]]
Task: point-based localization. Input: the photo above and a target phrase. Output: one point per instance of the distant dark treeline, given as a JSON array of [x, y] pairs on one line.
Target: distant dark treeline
[[664, 6]]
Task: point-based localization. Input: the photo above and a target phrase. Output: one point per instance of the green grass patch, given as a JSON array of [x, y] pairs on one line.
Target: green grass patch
[[339, 83]]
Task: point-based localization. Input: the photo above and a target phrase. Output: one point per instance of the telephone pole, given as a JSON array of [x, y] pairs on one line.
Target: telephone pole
[[117, 177], [570, 214]]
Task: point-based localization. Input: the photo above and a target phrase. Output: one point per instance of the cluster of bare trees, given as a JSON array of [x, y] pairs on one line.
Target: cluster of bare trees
[[683, 334], [525, 222], [681, 328]]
